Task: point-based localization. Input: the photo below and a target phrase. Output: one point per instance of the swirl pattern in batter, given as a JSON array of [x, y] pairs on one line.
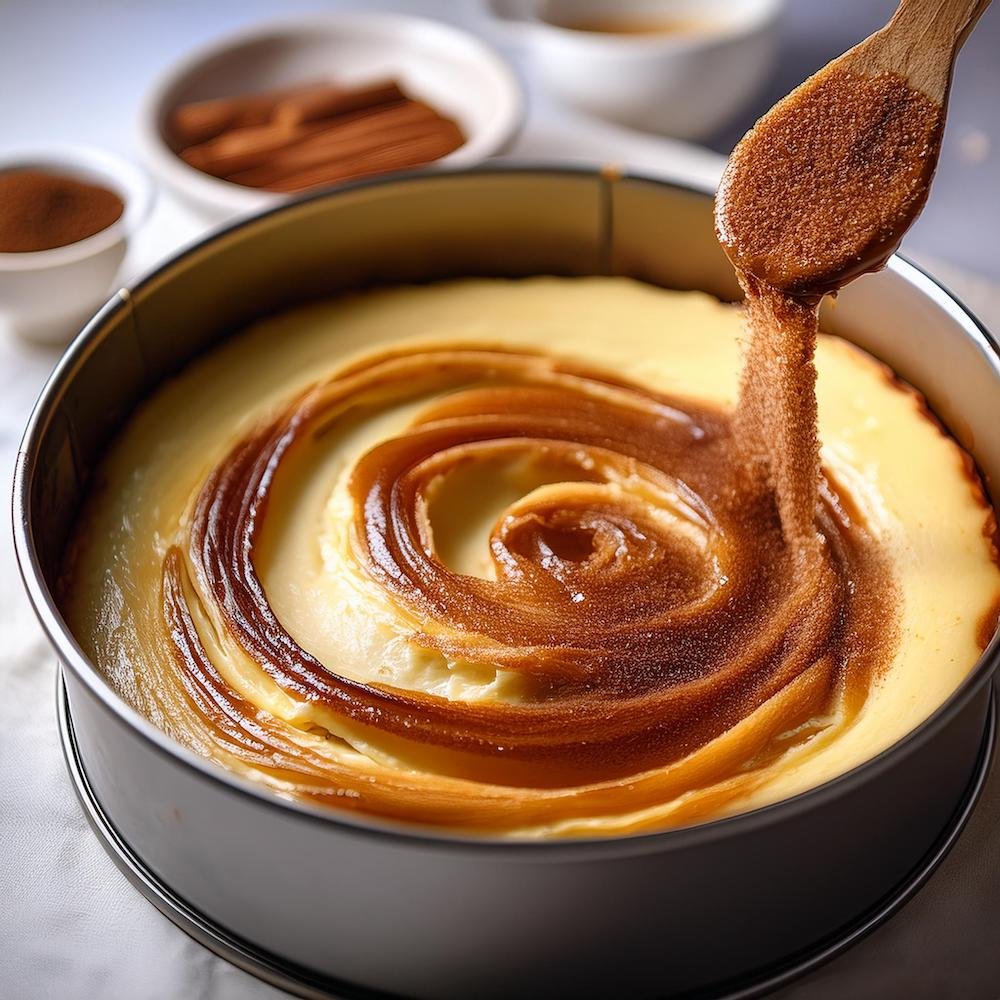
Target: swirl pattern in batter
[[511, 590]]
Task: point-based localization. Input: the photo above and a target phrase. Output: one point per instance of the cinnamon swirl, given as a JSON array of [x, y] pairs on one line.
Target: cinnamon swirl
[[488, 556]]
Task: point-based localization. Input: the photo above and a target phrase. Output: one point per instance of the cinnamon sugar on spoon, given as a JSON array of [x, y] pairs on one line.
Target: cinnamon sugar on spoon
[[827, 184], [821, 190]]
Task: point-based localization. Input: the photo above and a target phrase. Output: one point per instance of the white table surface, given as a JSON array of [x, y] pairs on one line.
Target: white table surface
[[70, 924]]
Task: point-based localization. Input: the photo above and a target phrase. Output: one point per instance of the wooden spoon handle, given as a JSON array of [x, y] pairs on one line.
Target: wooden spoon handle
[[944, 23], [923, 37]]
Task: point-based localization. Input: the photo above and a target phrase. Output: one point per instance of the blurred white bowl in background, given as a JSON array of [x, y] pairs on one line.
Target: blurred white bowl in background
[[448, 68], [47, 295], [684, 83]]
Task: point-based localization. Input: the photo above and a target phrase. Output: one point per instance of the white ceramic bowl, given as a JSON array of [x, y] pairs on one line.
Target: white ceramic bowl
[[445, 66], [47, 295], [684, 84]]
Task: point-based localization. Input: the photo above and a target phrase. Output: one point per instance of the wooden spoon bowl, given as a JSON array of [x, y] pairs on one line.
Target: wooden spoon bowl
[[825, 185]]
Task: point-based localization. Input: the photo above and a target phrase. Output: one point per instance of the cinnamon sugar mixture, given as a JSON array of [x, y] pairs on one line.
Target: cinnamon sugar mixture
[[824, 187], [819, 192]]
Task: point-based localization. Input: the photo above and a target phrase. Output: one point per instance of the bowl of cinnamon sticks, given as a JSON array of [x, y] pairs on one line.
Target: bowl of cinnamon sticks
[[297, 105]]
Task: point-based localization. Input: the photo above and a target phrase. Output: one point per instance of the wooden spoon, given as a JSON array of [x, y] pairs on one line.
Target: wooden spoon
[[824, 186]]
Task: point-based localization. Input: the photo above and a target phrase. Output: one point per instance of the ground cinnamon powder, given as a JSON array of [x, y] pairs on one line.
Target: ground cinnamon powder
[[39, 210]]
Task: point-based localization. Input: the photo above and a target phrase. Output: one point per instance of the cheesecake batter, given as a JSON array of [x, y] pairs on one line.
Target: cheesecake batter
[[485, 555]]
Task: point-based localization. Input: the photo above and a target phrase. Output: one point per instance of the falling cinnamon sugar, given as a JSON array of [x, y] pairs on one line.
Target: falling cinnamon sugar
[[819, 192], [776, 418]]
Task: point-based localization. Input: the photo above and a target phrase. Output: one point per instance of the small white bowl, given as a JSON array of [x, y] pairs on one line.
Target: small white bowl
[[46, 295], [448, 68], [683, 84]]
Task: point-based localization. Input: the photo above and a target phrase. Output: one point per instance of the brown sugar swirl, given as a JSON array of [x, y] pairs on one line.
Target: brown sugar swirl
[[666, 642]]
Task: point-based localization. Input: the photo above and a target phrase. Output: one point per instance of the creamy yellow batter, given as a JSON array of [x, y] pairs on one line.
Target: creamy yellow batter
[[904, 476]]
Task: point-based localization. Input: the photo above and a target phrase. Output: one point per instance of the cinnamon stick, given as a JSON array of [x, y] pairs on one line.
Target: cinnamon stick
[[412, 152], [313, 134], [202, 120], [243, 148], [326, 102], [342, 141]]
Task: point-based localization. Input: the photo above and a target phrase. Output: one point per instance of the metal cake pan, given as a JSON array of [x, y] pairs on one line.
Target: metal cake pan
[[303, 983], [440, 915]]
